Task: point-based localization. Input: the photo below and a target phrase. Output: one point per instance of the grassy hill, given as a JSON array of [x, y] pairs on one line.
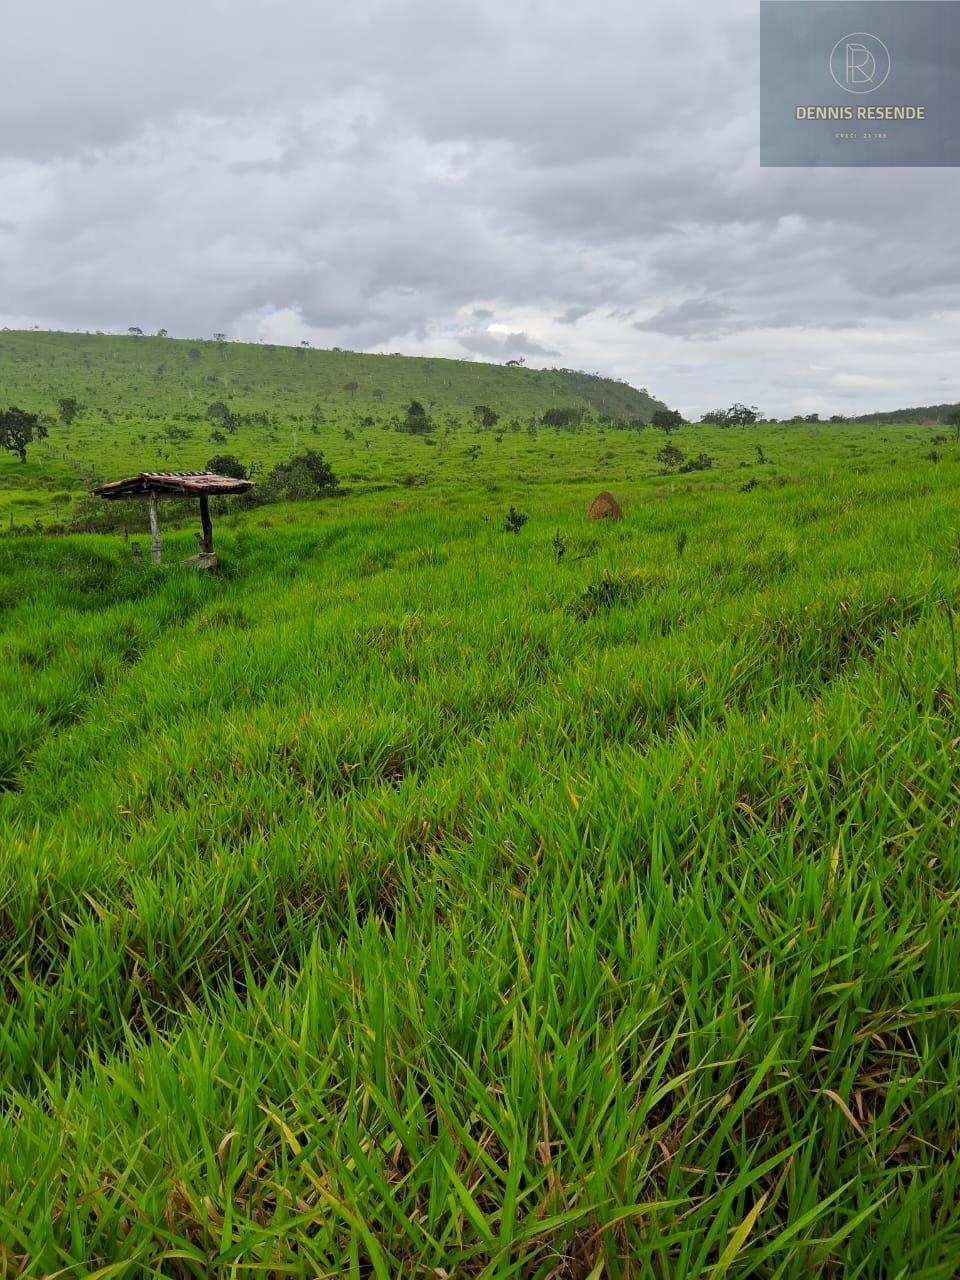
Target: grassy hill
[[146, 403], [157, 377], [930, 414]]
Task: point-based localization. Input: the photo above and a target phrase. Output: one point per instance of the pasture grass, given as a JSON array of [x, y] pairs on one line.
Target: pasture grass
[[146, 402], [402, 901]]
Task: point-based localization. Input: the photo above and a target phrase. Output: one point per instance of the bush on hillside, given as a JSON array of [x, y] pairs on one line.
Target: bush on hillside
[[305, 475], [227, 464]]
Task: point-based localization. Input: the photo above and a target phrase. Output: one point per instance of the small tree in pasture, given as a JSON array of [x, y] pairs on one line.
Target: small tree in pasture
[[667, 420], [218, 412], [69, 407], [416, 421], [306, 475], [670, 457], [18, 429]]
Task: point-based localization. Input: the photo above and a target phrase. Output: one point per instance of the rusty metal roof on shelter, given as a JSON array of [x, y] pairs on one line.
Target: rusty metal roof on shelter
[[187, 482]]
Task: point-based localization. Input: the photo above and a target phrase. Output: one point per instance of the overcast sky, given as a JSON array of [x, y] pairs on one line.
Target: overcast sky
[[571, 182]]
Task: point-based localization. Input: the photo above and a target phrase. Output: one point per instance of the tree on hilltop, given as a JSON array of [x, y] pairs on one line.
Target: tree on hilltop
[[738, 415]]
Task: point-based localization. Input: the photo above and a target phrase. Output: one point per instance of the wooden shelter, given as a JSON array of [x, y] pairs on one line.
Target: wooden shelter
[[604, 507], [189, 484]]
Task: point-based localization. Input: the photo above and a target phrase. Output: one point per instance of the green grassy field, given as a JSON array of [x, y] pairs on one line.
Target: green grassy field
[[405, 899], [145, 404]]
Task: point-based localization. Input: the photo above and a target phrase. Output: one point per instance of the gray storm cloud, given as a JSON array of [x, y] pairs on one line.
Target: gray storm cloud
[[576, 184]]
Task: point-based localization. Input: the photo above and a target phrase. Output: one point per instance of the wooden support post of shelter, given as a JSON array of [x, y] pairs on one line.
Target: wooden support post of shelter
[[199, 484], [206, 525], [154, 528]]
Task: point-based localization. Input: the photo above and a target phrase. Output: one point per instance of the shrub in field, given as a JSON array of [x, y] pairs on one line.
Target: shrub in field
[[702, 462], [610, 591], [223, 416], [415, 421], [305, 475], [227, 464], [670, 457], [515, 520], [569, 416]]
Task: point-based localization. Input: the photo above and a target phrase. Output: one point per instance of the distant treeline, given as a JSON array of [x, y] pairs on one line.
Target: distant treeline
[[929, 413]]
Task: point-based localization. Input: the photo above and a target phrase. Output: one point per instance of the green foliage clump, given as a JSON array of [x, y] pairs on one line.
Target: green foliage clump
[[667, 420], [18, 428], [738, 415], [563, 416], [219, 412], [69, 407], [415, 421], [702, 462], [610, 591], [670, 457], [514, 520], [305, 475], [227, 464]]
